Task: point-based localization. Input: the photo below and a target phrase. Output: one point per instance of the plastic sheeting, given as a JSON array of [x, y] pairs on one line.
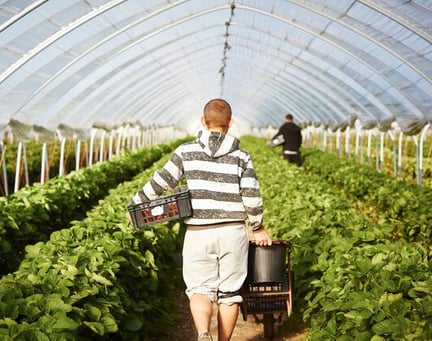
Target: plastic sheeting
[[105, 63]]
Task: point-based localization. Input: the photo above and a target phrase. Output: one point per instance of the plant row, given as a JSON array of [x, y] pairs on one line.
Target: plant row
[[33, 152], [100, 279], [103, 279], [408, 207], [34, 212], [353, 281]]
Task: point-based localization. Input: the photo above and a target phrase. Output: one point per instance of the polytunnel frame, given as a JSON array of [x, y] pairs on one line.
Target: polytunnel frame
[[185, 19], [332, 18], [22, 161], [378, 136]]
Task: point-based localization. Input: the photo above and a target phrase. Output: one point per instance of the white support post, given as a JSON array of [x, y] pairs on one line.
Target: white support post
[[3, 163], [102, 146], [119, 140], [44, 163], [357, 143], [62, 156], [381, 151], [394, 153], [92, 140], [18, 166], [26, 173], [369, 146], [324, 140], [400, 147], [347, 142], [361, 136], [111, 144], [338, 142], [377, 153], [420, 154], [77, 154]]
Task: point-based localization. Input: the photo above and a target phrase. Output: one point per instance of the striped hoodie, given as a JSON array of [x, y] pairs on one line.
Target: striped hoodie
[[220, 177]]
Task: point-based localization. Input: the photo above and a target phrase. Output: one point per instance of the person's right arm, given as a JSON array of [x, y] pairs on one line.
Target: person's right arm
[[252, 200], [165, 178]]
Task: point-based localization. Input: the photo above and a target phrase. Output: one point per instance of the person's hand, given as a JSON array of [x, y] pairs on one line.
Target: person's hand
[[262, 238], [129, 218]]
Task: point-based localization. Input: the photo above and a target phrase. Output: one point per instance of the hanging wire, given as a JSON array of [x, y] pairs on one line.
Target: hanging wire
[[226, 48]]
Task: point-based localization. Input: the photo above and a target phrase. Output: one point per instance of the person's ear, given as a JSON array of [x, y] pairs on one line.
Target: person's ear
[[203, 122], [230, 123]]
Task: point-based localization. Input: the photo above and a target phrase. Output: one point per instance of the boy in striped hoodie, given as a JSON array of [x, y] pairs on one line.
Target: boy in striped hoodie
[[225, 198]]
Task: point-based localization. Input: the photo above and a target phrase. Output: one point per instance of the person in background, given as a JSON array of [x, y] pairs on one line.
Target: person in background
[[291, 133], [226, 200]]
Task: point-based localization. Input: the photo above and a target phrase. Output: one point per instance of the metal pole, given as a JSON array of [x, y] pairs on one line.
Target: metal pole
[[62, 156], [18, 167], [420, 154], [3, 162]]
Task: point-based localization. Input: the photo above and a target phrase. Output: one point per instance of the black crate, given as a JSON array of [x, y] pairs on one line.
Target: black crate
[[267, 297], [169, 207]]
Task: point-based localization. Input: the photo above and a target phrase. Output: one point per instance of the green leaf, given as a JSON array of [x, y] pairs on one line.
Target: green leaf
[[110, 324], [132, 323], [10, 310], [385, 327], [101, 279], [93, 312], [64, 322], [38, 335], [97, 327]]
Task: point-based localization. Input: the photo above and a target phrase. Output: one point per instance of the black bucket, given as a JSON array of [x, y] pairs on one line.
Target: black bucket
[[266, 263]]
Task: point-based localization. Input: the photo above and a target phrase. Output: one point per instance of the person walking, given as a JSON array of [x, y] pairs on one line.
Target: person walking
[[292, 135], [225, 200]]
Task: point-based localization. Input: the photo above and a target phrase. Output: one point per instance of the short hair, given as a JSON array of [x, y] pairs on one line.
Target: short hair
[[289, 117], [217, 113]]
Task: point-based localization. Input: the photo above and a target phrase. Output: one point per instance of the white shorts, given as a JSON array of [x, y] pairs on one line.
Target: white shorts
[[215, 262]]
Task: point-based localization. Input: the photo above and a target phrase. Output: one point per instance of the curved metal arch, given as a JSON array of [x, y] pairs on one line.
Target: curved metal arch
[[394, 94], [18, 16], [65, 30], [128, 107], [313, 96], [372, 4], [335, 19], [295, 106], [123, 81], [145, 78], [341, 94], [128, 75], [94, 47], [333, 79], [169, 26], [360, 60], [338, 47], [310, 90]]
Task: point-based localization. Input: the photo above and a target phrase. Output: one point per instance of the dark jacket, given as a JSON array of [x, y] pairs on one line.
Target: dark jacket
[[291, 133]]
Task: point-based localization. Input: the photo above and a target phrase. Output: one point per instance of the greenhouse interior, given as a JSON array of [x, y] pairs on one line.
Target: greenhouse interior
[[96, 95]]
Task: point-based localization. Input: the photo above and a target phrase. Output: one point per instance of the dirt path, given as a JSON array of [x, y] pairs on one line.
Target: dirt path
[[244, 331]]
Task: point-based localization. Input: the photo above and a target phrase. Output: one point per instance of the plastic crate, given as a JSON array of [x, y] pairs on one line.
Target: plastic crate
[[267, 297], [169, 207]]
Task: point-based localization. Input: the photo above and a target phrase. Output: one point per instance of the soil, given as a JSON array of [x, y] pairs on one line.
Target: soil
[[291, 329]]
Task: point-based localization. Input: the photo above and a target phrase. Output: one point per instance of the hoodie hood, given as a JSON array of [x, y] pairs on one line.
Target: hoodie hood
[[216, 144]]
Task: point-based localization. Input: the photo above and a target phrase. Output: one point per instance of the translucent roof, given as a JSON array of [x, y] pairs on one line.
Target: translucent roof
[[86, 63]]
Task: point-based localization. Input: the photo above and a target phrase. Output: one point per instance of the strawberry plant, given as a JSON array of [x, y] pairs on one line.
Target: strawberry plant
[[99, 279], [352, 279], [34, 212]]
